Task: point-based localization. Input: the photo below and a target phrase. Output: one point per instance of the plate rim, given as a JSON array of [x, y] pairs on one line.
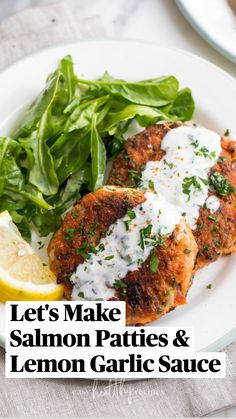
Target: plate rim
[[200, 29], [230, 336], [121, 41]]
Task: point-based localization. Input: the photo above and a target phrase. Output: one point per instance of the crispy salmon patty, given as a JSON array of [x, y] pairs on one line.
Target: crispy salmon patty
[[149, 293], [215, 234]]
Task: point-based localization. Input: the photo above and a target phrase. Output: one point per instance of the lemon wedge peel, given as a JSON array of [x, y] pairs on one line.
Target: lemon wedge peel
[[22, 274]]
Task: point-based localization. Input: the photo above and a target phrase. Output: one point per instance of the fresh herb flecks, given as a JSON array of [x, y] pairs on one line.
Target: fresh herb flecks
[[154, 261], [131, 214], [69, 234], [85, 250], [193, 182], [221, 185], [121, 287]]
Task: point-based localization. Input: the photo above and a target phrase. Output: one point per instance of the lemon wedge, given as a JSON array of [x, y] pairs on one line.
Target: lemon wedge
[[23, 276]]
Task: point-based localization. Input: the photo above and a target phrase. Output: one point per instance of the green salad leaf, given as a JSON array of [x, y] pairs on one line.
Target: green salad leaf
[[58, 92], [154, 92], [59, 147], [183, 105], [43, 174], [98, 156], [10, 173], [130, 112]]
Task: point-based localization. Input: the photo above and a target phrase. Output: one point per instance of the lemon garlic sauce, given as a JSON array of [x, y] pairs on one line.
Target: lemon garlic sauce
[[127, 245], [182, 174]]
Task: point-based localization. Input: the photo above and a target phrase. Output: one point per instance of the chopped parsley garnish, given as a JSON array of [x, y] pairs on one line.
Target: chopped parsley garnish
[[97, 204], [221, 159], [120, 286], [81, 229], [85, 250], [146, 238], [74, 214], [187, 251], [226, 133], [145, 234], [69, 234], [221, 185], [194, 141], [101, 247], [109, 257], [92, 229], [209, 286], [151, 185], [135, 177], [154, 261], [169, 164], [158, 240], [69, 275], [118, 182], [127, 224], [131, 214], [81, 294], [213, 217], [139, 261], [192, 181], [203, 151]]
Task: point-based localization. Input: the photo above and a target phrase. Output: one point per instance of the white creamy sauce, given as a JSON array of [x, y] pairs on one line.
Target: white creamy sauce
[[124, 248], [212, 203], [182, 174]]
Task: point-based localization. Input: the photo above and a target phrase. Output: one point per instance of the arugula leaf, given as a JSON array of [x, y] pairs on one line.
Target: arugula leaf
[[129, 112], [22, 224], [116, 144], [183, 105], [83, 113], [66, 67], [71, 192], [70, 152], [153, 92], [46, 222], [59, 145], [56, 95], [29, 193], [43, 174], [98, 156], [10, 173]]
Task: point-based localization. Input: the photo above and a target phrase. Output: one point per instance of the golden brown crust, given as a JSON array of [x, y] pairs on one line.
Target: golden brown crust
[[90, 219], [148, 295], [214, 238], [151, 295]]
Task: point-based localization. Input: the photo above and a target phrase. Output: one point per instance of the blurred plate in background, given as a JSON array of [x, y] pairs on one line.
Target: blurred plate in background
[[215, 21]]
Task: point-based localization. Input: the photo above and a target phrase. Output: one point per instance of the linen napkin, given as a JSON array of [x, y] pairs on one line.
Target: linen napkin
[[21, 34]]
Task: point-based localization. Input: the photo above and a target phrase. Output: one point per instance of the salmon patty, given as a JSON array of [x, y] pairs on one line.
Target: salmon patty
[[152, 287], [215, 232]]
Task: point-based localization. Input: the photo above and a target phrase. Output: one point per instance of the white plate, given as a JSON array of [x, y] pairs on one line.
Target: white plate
[[215, 21], [212, 312]]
